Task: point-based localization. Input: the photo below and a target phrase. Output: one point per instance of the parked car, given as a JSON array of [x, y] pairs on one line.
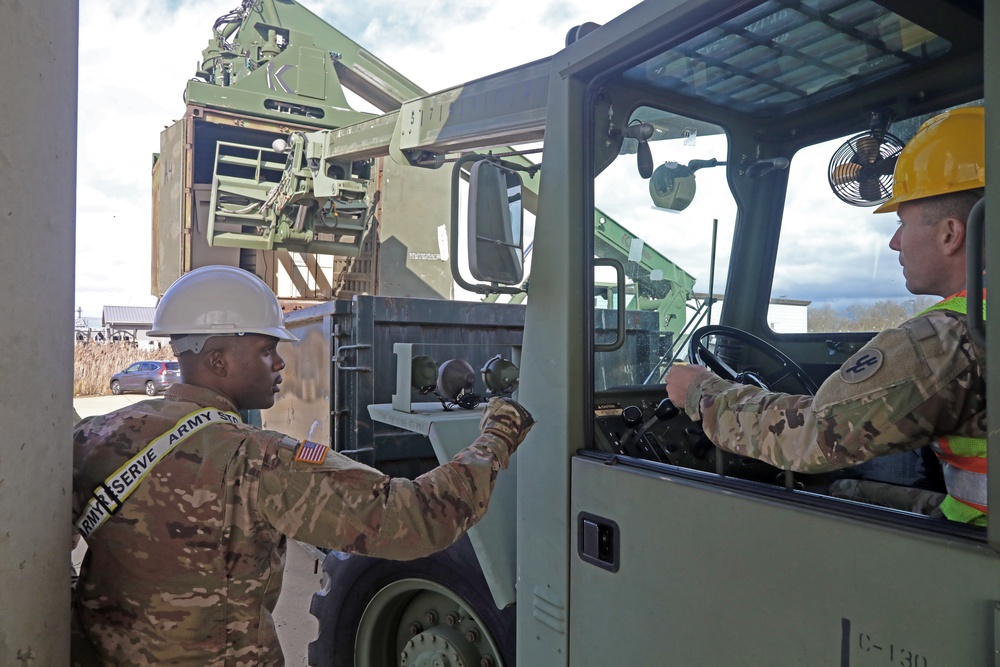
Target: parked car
[[149, 376]]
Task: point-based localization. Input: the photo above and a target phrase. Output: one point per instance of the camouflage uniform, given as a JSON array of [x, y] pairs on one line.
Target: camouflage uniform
[[909, 385], [189, 569]]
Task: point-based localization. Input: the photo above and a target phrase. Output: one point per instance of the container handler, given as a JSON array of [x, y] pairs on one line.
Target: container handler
[[757, 134]]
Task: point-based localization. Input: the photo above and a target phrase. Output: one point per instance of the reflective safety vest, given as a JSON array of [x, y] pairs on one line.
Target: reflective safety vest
[[963, 459]]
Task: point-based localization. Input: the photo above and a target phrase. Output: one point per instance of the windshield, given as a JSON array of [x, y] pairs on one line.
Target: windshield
[[672, 235], [866, 291], [667, 255]]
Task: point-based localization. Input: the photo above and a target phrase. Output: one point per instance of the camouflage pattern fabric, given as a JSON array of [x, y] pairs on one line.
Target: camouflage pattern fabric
[[906, 387], [189, 570], [506, 419], [909, 499]]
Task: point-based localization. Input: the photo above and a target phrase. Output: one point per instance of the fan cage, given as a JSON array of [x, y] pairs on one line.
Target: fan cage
[[861, 169]]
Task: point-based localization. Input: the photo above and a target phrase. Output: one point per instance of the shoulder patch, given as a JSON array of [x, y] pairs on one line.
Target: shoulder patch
[[861, 366], [311, 452]]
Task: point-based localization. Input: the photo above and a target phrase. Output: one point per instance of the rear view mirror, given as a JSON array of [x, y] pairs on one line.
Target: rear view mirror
[[672, 186], [496, 250]]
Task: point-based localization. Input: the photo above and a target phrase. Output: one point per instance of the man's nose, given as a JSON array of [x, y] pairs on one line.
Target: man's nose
[[894, 241], [279, 362]]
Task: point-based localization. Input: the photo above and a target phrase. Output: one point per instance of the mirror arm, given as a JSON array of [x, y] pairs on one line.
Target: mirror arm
[[641, 132], [530, 169]]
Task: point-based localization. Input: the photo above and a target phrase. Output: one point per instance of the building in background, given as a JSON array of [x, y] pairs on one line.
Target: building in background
[[117, 324]]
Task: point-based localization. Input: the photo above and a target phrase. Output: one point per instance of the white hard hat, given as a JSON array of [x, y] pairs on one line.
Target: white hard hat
[[218, 301]]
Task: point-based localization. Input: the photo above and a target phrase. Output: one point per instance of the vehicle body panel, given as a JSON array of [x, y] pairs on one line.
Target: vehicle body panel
[[719, 576]]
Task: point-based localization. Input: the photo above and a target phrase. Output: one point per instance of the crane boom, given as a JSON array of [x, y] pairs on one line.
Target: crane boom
[[317, 188]]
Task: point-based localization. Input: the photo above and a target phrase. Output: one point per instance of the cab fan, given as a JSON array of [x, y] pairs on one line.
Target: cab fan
[[861, 169]]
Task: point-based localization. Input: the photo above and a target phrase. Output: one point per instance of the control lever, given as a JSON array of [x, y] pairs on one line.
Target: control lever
[[632, 415], [701, 445], [666, 410]]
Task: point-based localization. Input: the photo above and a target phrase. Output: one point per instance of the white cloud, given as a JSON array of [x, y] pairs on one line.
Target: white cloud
[[135, 57], [829, 251]]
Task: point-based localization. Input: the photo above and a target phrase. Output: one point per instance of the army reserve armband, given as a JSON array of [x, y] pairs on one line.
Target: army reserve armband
[[112, 493]]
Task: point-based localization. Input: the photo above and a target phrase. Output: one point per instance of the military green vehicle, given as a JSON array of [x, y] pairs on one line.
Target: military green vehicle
[[748, 141]]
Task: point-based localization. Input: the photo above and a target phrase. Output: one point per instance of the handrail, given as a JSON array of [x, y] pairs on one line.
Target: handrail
[[620, 272], [974, 246]]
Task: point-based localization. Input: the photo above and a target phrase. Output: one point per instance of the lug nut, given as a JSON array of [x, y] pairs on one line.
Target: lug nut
[[415, 629], [431, 618], [451, 619], [487, 661], [472, 636]]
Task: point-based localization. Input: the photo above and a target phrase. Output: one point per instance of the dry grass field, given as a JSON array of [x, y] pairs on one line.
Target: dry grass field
[[95, 363]]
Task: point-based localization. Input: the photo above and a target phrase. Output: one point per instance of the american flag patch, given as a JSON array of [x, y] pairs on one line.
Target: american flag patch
[[311, 452]]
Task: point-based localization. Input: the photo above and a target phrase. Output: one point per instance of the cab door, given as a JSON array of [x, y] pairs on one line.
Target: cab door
[[674, 567]]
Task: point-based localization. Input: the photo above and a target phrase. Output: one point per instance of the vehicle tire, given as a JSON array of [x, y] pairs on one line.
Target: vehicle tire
[[434, 610], [150, 388], [116, 388]]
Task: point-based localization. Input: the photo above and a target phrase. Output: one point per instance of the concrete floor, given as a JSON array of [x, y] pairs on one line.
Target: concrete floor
[[296, 627]]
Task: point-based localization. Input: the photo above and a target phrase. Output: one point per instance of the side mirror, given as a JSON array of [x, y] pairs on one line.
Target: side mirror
[[672, 186], [496, 242]]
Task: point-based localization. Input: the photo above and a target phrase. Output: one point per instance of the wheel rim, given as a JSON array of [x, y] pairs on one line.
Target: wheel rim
[[150, 388], [116, 388], [418, 623]]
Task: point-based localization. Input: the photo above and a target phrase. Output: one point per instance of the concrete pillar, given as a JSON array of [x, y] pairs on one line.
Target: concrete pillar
[[38, 46]]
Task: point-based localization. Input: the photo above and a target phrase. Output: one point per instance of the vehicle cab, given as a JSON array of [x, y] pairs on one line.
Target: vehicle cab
[[749, 143]]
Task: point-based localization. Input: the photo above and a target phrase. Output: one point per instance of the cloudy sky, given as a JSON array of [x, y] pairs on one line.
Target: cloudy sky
[[136, 55]]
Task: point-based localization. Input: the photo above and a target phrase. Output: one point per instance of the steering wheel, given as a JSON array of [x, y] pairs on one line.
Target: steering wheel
[[700, 354]]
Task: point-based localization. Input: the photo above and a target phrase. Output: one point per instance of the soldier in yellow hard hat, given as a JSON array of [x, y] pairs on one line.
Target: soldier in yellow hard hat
[[185, 508], [920, 383]]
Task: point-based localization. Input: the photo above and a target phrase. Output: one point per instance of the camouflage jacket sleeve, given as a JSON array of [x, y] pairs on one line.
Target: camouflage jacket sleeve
[[906, 386], [344, 505]]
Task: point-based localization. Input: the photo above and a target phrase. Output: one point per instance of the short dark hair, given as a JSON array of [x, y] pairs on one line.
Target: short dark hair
[[951, 205]]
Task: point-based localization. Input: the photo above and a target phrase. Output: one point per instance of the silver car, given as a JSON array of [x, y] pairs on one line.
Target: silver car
[[149, 376]]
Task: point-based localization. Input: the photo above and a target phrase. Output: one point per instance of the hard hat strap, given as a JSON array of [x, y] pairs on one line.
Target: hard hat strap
[[193, 342]]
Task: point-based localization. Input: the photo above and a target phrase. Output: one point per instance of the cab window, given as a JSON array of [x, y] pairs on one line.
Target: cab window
[[834, 270], [665, 234]]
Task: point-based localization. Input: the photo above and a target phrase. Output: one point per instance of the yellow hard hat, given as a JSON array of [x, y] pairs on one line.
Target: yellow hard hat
[[947, 154]]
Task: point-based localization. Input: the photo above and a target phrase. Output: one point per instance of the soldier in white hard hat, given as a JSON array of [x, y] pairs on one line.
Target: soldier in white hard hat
[[185, 508]]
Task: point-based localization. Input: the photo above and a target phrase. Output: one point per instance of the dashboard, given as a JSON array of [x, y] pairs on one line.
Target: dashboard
[[634, 421]]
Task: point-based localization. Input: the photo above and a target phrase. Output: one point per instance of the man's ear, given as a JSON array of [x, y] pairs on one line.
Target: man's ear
[[216, 362], [952, 236]]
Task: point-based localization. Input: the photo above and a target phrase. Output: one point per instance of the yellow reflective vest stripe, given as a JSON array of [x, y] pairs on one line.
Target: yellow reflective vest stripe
[[963, 459]]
